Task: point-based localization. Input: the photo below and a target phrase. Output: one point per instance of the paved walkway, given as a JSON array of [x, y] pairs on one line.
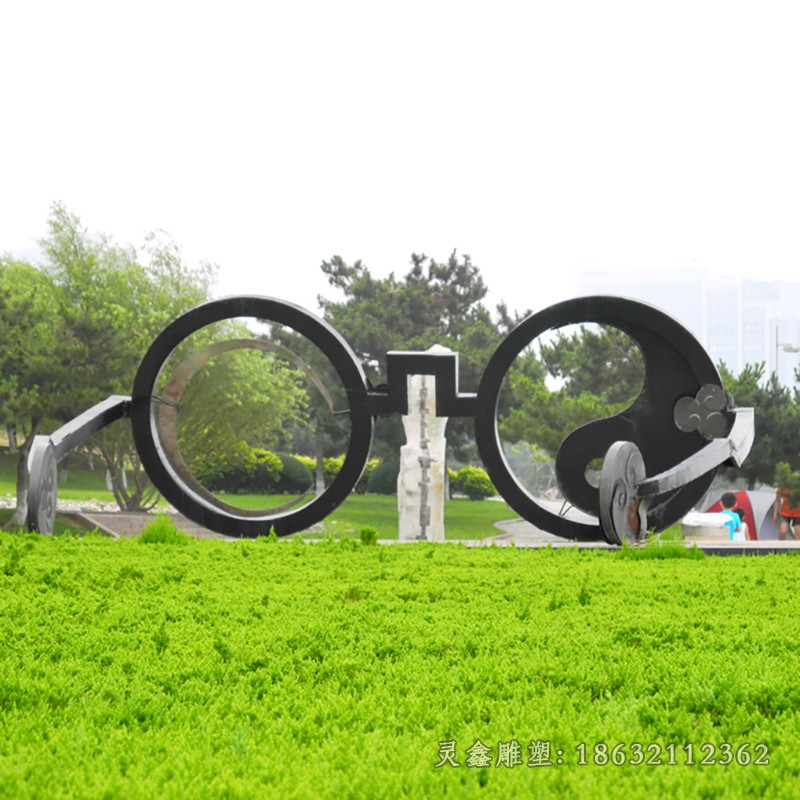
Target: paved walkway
[[524, 534], [516, 532], [130, 524], [521, 533], [119, 523]]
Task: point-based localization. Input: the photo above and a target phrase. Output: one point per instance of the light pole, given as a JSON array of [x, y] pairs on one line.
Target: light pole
[[787, 347]]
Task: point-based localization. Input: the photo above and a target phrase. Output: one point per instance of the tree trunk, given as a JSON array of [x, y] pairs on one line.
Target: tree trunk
[[12, 437], [143, 496], [145, 491], [20, 515], [120, 495], [320, 467]]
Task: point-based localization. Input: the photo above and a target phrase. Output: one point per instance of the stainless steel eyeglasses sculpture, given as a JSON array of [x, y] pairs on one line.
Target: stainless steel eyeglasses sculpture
[[659, 455]]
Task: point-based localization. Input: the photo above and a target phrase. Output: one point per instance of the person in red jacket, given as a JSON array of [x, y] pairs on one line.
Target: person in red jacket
[[790, 516]]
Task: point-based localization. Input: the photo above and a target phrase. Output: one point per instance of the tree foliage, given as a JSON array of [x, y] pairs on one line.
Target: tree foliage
[[236, 407], [93, 307], [602, 360], [112, 302], [324, 428], [582, 376], [777, 422], [30, 332], [789, 480], [434, 303], [544, 417]]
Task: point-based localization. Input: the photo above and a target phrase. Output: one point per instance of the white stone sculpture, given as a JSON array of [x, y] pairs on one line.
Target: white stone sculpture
[[421, 482]]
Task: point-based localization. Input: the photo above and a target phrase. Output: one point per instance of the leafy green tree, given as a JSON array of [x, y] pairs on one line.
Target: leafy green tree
[[108, 302], [544, 417], [236, 406], [434, 303], [788, 479], [113, 301], [602, 360], [30, 330], [584, 375], [777, 422], [323, 429]]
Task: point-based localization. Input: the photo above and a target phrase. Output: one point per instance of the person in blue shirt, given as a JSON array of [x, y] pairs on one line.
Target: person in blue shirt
[[736, 528]]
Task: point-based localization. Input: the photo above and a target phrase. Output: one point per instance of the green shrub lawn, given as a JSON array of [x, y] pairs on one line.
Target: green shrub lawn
[[277, 669]]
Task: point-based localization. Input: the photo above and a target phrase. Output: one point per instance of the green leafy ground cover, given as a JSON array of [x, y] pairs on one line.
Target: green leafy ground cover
[[261, 669]]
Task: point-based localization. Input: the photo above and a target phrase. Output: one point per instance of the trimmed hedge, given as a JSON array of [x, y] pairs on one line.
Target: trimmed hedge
[[331, 468], [362, 487], [295, 477], [383, 477], [249, 469], [255, 470], [474, 482]]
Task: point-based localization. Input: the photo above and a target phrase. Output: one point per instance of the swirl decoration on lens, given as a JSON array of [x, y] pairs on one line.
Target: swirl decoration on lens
[[677, 454]]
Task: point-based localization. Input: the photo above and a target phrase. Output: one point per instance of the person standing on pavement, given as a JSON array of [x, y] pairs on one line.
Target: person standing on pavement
[[789, 515]]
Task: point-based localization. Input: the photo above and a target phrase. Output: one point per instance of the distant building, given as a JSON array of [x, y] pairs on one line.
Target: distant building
[[738, 321]]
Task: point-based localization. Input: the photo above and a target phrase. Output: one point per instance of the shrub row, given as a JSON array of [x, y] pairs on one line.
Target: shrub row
[[257, 470], [331, 467]]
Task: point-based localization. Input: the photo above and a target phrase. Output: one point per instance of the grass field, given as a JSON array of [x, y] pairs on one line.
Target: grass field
[[290, 670], [82, 484], [464, 519]]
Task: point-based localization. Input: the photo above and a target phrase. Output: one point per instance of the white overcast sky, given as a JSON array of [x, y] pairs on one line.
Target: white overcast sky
[[541, 138]]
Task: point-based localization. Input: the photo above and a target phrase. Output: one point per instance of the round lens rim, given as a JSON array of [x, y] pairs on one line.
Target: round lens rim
[[624, 313], [156, 463]]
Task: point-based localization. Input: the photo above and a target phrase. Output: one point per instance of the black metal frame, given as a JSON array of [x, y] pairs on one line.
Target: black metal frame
[[182, 496], [679, 429], [47, 451], [676, 366]]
